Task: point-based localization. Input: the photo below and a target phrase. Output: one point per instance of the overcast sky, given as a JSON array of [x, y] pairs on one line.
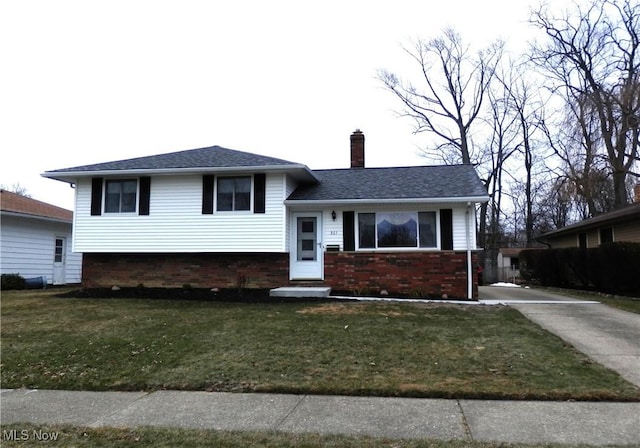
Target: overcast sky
[[94, 81]]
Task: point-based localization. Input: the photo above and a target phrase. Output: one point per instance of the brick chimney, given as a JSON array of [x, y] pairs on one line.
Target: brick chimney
[[357, 149], [636, 193]]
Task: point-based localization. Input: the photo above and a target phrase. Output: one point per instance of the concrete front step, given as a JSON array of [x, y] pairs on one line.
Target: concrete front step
[[301, 291]]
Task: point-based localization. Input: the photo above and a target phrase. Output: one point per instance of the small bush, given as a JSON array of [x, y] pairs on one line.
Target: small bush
[[12, 281]]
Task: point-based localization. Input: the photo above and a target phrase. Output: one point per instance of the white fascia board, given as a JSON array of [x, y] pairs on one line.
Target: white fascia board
[[38, 217], [337, 202], [72, 176]]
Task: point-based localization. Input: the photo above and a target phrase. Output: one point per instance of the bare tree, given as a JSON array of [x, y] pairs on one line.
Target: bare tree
[[499, 147], [527, 108], [594, 58], [574, 140], [17, 188], [454, 83]]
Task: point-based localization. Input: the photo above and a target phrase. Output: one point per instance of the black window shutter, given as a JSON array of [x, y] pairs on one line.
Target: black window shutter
[[145, 195], [446, 229], [96, 196], [349, 231], [259, 192], [207, 194]]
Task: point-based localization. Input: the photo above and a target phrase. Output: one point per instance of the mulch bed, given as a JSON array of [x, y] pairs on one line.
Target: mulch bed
[[242, 295], [239, 295]]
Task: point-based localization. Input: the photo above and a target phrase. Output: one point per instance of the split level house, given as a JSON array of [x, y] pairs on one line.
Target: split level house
[[35, 240], [216, 217]]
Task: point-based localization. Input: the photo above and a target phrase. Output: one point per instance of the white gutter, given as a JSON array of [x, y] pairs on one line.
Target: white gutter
[[469, 270], [336, 202], [65, 176]]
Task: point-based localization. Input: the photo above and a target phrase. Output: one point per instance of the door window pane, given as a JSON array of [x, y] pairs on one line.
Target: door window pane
[[307, 238], [59, 250]]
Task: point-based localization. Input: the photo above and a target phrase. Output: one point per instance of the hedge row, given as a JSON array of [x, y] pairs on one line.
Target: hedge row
[[611, 268]]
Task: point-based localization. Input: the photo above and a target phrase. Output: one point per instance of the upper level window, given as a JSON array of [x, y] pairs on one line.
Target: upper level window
[[397, 230], [120, 196], [234, 193]]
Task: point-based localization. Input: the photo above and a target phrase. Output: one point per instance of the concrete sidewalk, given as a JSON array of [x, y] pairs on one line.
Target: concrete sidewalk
[[478, 420]]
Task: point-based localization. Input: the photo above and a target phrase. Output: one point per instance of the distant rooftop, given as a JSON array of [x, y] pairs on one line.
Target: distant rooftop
[[14, 203]]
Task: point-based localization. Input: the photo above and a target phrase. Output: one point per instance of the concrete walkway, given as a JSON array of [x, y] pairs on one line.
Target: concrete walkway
[[479, 420], [607, 335]]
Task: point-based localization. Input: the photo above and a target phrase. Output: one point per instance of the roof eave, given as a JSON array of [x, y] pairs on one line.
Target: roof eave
[[589, 224], [436, 200], [39, 217], [301, 172]]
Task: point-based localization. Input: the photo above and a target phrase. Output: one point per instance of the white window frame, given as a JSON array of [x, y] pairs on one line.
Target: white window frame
[[105, 193], [251, 193], [397, 249]]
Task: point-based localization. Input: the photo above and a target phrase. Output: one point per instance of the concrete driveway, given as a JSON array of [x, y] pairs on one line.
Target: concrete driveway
[[607, 335]]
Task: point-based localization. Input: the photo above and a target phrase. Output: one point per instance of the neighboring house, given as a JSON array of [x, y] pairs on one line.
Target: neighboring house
[[35, 240], [508, 264], [618, 225], [216, 217]]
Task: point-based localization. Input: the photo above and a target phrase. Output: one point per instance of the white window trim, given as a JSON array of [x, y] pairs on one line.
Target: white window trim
[[397, 249], [234, 212], [104, 196]]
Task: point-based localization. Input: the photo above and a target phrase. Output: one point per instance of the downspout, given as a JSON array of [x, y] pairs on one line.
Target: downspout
[[469, 268]]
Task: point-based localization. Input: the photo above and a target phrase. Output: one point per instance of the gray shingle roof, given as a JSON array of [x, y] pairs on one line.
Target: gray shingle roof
[[419, 182], [210, 157]]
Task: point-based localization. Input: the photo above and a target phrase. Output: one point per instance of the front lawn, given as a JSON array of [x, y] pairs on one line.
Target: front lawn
[[453, 351], [64, 435]]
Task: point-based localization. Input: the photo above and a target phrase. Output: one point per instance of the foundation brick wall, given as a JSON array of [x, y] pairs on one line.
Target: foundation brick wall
[[211, 270], [409, 273]]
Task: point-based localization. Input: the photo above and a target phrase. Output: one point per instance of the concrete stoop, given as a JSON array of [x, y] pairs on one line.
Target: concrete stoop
[[301, 291]]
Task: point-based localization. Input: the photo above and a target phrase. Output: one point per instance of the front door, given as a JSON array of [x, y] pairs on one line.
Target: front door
[[306, 247], [59, 256]]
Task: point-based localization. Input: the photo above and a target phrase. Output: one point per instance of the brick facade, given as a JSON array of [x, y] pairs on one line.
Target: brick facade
[[226, 270], [409, 273]]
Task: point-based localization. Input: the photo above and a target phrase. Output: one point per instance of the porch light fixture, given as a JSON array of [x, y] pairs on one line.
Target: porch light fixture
[[333, 215]]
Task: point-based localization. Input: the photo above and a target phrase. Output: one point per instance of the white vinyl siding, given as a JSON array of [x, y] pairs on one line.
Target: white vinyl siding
[[333, 230], [28, 248], [176, 223], [460, 229]]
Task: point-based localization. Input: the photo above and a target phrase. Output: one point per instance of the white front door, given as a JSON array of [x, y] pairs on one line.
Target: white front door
[[59, 259], [306, 258]]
